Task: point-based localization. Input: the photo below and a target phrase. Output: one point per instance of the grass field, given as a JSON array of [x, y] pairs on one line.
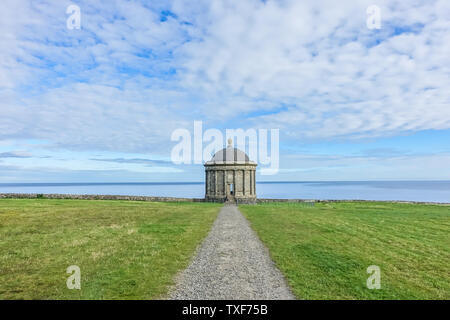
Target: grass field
[[324, 251], [125, 249]]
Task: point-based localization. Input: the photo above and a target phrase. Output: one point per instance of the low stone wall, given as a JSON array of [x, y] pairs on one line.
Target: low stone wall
[[346, 200], [95, 197], [285, 200], [174, 199]]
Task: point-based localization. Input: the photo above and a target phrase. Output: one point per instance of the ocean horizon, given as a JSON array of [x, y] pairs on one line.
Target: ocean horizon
[[401, 190]]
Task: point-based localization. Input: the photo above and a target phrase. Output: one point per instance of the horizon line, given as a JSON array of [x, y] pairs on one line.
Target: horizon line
[[202, 182]]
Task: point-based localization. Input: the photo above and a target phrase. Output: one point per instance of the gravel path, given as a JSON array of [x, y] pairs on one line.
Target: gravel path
[[232, 263]]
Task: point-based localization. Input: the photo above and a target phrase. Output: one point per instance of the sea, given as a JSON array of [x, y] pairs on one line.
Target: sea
[[427, 191]]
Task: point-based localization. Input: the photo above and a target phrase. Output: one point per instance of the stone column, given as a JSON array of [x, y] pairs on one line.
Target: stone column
[[215, 182], [254, 182], [206, 182], [224, 182], [234, 183], [251, 181], [243, 182]]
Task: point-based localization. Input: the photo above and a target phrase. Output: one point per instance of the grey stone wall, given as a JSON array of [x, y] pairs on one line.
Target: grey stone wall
[[345, 200], [95, 197], [174, 199]]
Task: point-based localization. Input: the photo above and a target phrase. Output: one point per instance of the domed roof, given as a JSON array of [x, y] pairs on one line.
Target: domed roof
[[230, 155]]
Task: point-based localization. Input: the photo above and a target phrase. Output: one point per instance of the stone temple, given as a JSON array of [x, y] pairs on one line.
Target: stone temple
[[230, 176]]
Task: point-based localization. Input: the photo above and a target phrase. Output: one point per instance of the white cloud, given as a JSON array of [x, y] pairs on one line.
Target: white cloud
[[15, 154], [311, 68], [321, 60]]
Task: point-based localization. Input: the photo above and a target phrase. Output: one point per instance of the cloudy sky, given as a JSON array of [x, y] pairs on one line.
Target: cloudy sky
[[99, 103]]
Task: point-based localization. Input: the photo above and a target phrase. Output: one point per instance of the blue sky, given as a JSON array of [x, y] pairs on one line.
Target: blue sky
[[99, 104]]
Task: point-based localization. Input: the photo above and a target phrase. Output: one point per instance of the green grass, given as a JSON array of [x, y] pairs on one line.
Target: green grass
[[125, 249], [324, 251]]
